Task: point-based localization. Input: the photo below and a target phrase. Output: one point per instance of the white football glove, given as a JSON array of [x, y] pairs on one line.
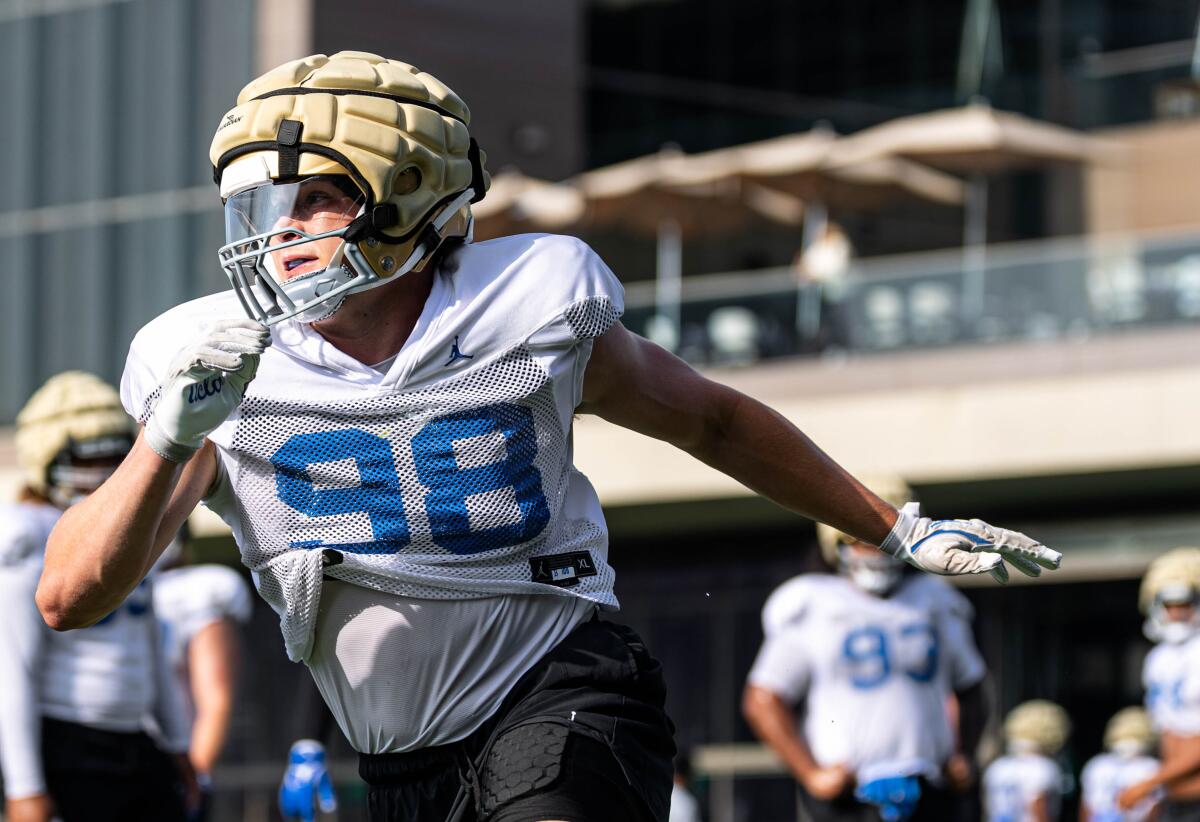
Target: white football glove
[[205, 383], [964, 546]]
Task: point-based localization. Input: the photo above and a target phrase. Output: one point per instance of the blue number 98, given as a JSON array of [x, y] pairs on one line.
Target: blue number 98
[[449, 484]]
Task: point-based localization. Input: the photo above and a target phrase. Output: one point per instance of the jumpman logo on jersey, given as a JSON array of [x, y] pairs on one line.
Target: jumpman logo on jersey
[[456, 354]]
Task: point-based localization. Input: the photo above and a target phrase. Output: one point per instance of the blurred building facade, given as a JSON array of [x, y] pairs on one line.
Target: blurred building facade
[[1060, 407]]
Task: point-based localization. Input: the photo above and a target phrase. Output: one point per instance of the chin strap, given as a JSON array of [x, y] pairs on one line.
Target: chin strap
[[372, 223]]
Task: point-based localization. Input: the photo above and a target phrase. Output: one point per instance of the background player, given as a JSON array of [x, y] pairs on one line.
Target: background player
[[1026, 783], [851, 685], [74, 707], [1171, 675], [399, 474], [201, 609], [1128, 758]]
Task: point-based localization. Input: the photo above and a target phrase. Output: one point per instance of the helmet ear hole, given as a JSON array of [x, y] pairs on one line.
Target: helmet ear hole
[[408, 180]]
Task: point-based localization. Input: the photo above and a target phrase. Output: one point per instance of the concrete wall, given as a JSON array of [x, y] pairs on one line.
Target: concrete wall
[[1109, 404]]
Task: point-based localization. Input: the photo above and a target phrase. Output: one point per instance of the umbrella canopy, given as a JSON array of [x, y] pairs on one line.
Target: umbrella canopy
[[814, 167], [693, 192], [978, 141], [516, 203], [975, 139]]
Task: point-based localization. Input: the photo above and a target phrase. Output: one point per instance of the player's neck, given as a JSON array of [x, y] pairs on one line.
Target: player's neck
[[374, 325]]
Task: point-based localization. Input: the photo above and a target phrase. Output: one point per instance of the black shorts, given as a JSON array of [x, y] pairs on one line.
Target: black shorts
[[106, 776], [582, 737], [1179, 811]]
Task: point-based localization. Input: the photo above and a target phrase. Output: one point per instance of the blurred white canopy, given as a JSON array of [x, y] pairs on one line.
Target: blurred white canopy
[[700, 197], [516, 203], [975, 139], [814, 167]]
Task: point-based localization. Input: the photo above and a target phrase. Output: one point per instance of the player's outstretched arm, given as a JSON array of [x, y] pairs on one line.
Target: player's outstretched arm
[[634, 383], [102, 547], [1184, 765]]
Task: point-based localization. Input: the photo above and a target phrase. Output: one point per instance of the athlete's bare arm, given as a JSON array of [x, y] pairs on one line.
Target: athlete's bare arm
[[774, 722], [213, 660], [636, 384], [102, 548], [1179, 774]]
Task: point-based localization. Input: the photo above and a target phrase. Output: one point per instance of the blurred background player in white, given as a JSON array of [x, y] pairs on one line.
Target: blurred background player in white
[[852, 685], [399, 473], [201, 609], [307, 786], [1026, 783], [1128, 758], [75, 707], [684, 807], [1171, 676]]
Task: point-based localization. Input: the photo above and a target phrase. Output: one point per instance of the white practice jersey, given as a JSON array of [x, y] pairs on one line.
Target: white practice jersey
[[400, 673], [111, 675], [190, 598], [1105, 776], [870, 675], [447, 477], [1014, 782], [1171, 676]]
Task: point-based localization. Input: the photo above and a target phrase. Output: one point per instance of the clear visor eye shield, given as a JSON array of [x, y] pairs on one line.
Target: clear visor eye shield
[[292, 247]]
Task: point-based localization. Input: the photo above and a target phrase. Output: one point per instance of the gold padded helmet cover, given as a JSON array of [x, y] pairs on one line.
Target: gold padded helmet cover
[[71, 407], [1038, 723], [1176, 569], [375, 119], [1130, 725]]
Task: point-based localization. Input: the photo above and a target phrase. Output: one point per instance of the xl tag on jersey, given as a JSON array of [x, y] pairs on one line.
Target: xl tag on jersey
[[563, 570]]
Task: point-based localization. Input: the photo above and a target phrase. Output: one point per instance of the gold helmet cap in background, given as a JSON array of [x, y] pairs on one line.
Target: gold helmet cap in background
[[1040, 723], [377, 119], [71, 407], [1130, 724], [1179, 567], [890, 489]]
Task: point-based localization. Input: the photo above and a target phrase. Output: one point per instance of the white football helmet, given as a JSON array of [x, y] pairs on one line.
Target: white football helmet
[[368, 152], [70, 435], [1037, 726], [876, 573], [1130, 732], [1172, 579]]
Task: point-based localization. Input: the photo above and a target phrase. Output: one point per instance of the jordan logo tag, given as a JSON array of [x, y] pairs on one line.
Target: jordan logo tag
[[456, 354]]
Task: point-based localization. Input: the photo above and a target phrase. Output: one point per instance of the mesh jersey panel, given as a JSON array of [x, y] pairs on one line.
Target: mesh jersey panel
[[440, 493]]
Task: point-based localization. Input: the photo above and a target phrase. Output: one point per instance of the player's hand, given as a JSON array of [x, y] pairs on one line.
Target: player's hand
[[959, 773], [1136, 794], [964, 546], [829, 783], [36, 808], [206, 382]]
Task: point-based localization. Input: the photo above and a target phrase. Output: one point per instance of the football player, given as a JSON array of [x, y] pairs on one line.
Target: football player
[[1171, 675], [201, 609], [398, 474], [1128, 758], [1026, 783], [852, 684], [74, 707]]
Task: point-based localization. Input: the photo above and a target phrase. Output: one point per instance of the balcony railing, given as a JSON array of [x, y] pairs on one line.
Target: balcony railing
[[1040, 290]]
